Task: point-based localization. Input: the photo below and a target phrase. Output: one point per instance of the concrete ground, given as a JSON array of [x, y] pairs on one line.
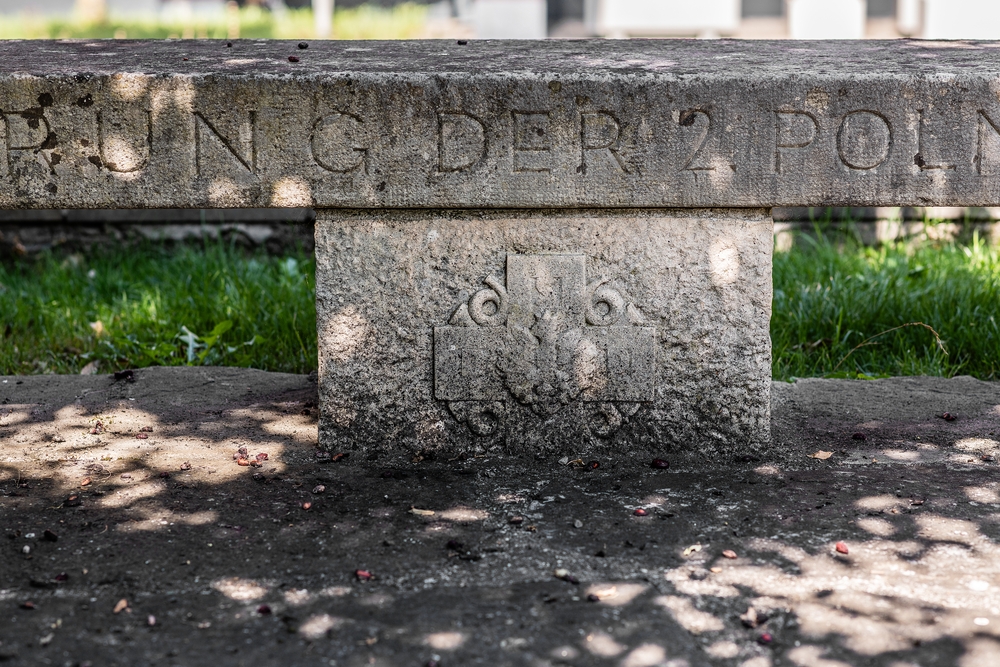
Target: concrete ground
[[133, 536]]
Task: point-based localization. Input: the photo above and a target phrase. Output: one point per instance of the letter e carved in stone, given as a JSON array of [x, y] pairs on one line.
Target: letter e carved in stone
[[532, 142]]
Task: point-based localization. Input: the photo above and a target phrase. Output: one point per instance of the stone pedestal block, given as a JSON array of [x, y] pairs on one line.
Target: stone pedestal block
[[577, 332]]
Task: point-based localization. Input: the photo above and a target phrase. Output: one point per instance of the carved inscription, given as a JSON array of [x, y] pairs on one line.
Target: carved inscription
[[987, 160], [922, 158], [702, 121], [28, 133], [793, 130], [124, 141], [532, 141], [208, 141], [461, 142], [864, 140], [545, 339], [824, 146], [600, 134], [338, 144]]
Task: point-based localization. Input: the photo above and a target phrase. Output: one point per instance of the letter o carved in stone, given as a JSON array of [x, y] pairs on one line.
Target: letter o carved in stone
[[864, 140]]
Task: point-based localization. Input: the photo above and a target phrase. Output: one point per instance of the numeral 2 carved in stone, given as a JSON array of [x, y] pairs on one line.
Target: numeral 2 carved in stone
[[689, 118]]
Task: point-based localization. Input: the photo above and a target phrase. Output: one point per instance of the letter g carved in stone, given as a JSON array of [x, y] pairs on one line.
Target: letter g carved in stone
[[337, 143]]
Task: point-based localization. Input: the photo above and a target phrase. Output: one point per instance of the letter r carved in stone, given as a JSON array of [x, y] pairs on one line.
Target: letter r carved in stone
[[600, 132]]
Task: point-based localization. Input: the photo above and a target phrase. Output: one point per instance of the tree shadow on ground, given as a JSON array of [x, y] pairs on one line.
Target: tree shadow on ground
[[305, 560]]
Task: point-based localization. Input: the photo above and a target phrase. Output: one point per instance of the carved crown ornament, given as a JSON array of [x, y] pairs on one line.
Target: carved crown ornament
[[544, 339]]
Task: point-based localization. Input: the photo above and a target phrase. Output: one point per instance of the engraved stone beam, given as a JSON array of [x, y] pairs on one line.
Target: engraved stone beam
[[492, 124], [549, 247]]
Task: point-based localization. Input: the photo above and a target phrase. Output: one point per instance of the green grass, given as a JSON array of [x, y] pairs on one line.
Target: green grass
[[218, 304], [831, 294], [213, 304], [405, 21]]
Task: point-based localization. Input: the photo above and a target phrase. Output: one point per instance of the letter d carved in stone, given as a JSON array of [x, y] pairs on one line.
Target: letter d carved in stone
[[461, 142]]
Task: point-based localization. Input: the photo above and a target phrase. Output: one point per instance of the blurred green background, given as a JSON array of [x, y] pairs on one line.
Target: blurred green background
[[403, 21]]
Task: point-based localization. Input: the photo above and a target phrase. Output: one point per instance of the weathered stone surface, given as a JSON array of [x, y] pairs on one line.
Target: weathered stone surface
[[531, 331], [498, 124]]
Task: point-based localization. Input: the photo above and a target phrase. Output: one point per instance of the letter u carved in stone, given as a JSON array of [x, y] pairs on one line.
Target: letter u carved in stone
[[124, 139]]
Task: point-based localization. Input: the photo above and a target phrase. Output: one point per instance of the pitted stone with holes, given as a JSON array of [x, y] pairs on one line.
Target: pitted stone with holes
[[543, 331]]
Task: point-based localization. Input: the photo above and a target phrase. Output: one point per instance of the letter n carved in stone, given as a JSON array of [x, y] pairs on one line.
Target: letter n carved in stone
[[545, 339]]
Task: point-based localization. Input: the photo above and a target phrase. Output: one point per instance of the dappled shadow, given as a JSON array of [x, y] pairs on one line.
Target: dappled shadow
[[267, 565]]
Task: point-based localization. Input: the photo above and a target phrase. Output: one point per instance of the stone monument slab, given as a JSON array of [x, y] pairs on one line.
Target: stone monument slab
[[526, 247], [497, 124], [544, 331]]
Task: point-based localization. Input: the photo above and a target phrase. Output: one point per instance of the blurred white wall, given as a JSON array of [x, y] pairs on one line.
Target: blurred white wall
[[827, 19], [185, 10], [39, 7], [703, 18], [961, 19], [510, 19]]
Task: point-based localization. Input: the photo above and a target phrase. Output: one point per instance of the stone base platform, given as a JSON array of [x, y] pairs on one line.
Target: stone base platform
[[544, 331], [259, 565]]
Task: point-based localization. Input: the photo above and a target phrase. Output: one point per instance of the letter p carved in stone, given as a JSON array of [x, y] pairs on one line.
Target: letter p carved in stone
[[792, 130]]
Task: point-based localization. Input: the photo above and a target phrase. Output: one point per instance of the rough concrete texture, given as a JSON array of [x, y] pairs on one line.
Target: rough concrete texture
[[195, 543], [597, 331], [498, 124]]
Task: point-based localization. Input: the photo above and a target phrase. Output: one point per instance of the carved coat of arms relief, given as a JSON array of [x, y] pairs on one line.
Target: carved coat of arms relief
[[544, 339]]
